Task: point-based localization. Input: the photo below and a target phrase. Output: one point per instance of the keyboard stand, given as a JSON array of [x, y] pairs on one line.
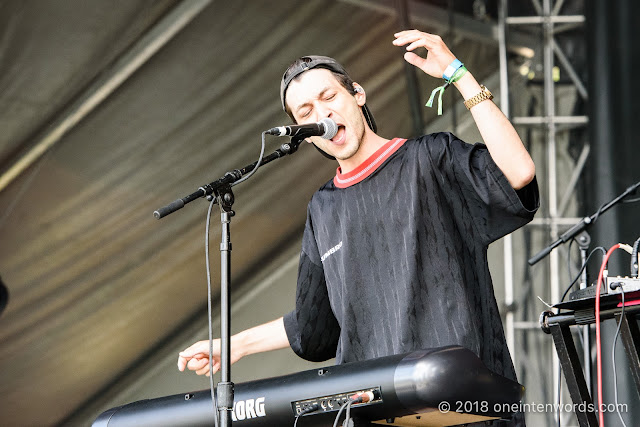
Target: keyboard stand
[[558, 325]]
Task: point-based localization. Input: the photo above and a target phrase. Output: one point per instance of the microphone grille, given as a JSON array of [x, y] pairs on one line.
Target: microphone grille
[[330, 128]]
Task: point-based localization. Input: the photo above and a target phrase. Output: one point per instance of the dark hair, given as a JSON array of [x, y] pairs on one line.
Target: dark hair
[[343, 79]]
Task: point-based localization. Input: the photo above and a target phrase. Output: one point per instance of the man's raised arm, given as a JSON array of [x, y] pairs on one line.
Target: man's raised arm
[[502, 140]]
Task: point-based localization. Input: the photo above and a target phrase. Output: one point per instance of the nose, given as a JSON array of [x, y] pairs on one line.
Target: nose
[[323, 112]]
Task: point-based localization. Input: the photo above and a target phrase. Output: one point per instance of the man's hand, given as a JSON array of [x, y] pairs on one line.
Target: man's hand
[[266, 337], [196, 357], [438, 54]]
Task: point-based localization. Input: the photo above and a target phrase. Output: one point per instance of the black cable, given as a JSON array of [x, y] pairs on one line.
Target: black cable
[[206, 249], [571, 242], [306, 411], [573, 282], [586, 261], [209, 293], [569, 257], [613, 358], [634, 258], [637, 199], [255, 168]]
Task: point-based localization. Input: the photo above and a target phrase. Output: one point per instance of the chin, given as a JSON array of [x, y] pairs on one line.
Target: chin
[[346, 154]]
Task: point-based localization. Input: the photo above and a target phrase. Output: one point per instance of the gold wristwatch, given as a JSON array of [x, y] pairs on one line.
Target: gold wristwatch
[[482, 96]]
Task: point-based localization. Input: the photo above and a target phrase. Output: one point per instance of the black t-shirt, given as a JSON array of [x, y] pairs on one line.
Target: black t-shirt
[[394, 255]]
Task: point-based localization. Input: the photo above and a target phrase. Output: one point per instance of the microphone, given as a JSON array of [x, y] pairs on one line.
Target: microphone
[[326, 128]]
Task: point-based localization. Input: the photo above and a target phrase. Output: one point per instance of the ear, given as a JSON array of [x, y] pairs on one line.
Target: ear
[[361, 96]]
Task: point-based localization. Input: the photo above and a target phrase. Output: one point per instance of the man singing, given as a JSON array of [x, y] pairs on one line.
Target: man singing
[[394, 253]]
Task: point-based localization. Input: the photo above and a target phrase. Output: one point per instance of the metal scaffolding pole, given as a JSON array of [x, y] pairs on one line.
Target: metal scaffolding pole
[[550, 111], [508, 240], [552, 125]]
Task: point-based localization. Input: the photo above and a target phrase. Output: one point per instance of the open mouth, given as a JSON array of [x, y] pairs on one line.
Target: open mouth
[[340, 135]]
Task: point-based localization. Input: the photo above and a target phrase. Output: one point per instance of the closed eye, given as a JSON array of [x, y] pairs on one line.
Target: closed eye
[[305, 113]]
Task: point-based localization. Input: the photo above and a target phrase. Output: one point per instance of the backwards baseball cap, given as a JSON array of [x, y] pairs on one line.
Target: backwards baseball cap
[[306, 63]]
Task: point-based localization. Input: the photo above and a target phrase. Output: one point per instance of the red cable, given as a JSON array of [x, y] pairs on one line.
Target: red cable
[[598, 345]]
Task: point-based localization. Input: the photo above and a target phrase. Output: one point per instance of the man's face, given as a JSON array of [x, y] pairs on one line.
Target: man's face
[[316, 94]]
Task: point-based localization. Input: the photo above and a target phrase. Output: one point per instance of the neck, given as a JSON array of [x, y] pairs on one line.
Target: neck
[[371, 142]]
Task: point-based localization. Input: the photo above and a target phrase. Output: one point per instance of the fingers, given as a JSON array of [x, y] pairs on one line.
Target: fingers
[[199, 350], [196, 358], [414, 59], [198, 347], [438, 56], [204, 370], [184, 360], [182, 363], [417, 39], [198, 364], [415, 44], [203, 367]]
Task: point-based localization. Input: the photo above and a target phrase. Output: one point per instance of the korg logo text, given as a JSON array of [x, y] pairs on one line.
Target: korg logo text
[[250, 408]]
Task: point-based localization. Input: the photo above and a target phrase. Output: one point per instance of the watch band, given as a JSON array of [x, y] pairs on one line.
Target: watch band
[[482, 96]]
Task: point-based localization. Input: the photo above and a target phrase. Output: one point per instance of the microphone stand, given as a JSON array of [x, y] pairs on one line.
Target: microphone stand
[[221, 191], [228, 179], [582, 225]]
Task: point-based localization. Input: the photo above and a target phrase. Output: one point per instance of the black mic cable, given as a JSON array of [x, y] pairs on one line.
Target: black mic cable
[[306, 411]]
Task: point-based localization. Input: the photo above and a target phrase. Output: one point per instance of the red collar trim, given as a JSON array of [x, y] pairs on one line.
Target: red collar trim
[[368, 166]]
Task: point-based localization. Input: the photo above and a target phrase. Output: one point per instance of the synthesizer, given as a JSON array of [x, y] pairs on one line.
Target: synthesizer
[[437, 387]]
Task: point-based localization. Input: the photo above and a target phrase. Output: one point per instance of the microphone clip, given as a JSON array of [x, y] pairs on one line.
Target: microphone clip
[[292, 146]]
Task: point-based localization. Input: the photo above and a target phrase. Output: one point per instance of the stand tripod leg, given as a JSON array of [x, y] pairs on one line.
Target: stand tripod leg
[[566, 349], [631, 340]]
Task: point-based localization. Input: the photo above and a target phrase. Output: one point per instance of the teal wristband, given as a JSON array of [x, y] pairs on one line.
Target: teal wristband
[[451, 69]]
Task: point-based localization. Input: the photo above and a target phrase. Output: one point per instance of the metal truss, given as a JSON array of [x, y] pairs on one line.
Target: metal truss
[[549, 22]]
